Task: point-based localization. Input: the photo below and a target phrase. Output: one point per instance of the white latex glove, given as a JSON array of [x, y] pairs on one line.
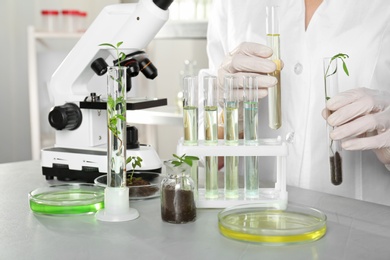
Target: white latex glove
[[362, 117], [249, 59]]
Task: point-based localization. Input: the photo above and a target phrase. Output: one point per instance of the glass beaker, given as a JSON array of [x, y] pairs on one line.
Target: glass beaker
[[190, 110], [177, 194], [334, 147]]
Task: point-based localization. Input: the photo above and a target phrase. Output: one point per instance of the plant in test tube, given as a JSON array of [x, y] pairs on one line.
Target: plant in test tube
[[335, 158]]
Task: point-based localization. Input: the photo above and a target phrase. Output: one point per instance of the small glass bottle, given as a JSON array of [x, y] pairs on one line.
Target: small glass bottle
[[177, 194]]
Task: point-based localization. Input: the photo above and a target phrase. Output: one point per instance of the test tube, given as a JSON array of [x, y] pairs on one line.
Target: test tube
[[231, 104], [211, 133], [273, 41], [251, 101], [334, 147], [190, 110]]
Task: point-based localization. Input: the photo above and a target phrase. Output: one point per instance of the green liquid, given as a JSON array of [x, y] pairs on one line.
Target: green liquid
[[231, 123], [231, 177], [190, 123], [251, 122], [211, 177], [251, 177], [69, 202]]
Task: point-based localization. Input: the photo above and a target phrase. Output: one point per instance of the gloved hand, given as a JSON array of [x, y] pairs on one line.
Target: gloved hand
[[362, 120], [248, 59]]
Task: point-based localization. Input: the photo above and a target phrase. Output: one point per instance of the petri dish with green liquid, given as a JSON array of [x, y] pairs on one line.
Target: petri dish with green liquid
[[256, 223], [67, 199]]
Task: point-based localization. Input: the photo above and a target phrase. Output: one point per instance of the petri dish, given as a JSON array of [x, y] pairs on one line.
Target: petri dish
[[67, 199], [139, 192], [267, 225]]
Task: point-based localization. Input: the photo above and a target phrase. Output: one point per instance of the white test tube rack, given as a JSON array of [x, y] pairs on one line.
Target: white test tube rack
[[268, 197]]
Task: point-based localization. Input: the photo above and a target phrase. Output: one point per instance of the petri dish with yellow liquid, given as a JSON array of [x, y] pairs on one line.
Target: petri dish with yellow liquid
[[267, 225], [67, 199]]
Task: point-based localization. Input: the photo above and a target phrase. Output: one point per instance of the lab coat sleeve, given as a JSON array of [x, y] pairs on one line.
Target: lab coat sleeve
[[216, 34]]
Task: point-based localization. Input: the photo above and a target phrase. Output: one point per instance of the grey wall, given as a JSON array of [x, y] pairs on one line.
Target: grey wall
[[15, 145]]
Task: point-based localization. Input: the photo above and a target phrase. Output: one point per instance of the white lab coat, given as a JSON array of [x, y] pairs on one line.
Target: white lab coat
[[359, 28]]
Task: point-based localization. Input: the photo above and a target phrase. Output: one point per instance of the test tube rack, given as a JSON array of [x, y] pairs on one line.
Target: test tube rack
[[268, 197]]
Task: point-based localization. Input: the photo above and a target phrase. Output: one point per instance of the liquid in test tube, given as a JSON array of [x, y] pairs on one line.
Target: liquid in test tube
[[273, 41], [211, 134], [251, 102], [231, 104], [190, 110]]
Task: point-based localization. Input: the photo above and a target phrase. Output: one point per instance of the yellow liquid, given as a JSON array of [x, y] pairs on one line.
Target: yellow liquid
[[274, 94], [272, 227]]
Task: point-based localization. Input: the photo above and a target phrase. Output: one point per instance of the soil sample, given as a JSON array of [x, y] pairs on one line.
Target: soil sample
[[336, 171], [139, 187], [177, 206]]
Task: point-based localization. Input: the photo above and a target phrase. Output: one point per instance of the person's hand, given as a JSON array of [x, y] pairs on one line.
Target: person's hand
[[362, 120], [249, 59]]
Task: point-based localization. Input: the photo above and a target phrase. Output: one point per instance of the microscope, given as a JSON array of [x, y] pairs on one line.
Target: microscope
[[79, 114]]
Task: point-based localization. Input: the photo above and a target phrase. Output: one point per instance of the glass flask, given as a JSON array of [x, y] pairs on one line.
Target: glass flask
[[177, 194]]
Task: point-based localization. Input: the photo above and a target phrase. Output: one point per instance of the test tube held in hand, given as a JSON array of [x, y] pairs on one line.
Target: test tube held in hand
[[190, 110], [231, 103], [251, 101], [210, 90], [273, 41], [334, 147]]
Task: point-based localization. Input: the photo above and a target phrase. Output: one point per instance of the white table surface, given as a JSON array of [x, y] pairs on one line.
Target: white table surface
[[356, 229]]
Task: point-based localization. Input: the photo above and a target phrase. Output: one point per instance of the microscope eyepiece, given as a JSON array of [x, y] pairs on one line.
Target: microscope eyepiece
[[163, 4]]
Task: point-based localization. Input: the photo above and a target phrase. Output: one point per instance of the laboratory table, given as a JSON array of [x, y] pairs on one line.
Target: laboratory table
[[356, 229]]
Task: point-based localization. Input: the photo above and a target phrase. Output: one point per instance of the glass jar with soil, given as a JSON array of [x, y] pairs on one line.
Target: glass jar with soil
[[177, 194]]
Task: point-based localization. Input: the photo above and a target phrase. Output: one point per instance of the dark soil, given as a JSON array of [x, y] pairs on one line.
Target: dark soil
[[177, 206], [143, 191], [336, 171]]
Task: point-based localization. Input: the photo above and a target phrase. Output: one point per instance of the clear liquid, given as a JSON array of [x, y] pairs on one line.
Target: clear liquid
[[231, 177], [231, 123], [251, 177], [211, 124], [250, 122], [190, 123], [274, 93], [211, 177]]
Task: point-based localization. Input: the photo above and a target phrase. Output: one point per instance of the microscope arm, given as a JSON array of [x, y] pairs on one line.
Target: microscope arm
[[134, 24]]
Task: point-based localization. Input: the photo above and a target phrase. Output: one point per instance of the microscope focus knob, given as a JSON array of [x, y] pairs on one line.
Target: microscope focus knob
[[67, 116], [132, 137]]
